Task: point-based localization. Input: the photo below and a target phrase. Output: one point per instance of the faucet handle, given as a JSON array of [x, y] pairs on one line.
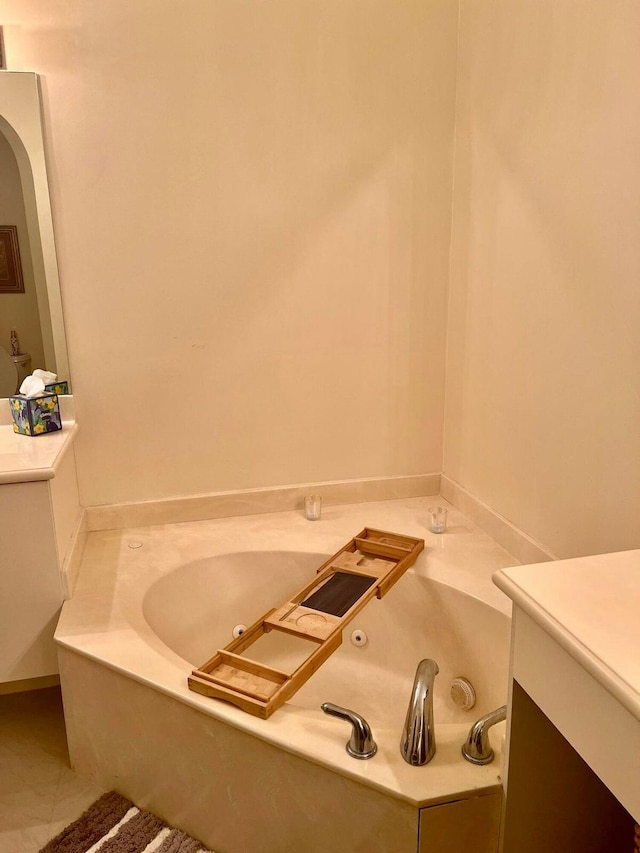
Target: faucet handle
[[477, 747], [361, 743]]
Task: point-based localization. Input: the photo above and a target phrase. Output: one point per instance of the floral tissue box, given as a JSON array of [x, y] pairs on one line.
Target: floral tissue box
[[35, 415]]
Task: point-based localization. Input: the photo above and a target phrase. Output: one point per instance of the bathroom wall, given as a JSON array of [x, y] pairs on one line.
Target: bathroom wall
[[18, 311], [252, 209], [543, 403]]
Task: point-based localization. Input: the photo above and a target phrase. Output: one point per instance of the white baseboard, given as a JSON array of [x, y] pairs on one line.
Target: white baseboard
[[505, 533], [250, 501], [283, 498]]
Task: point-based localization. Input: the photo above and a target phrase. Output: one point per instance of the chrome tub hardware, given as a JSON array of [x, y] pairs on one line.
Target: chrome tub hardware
[[477, 748], [361, 743], [418, 741]]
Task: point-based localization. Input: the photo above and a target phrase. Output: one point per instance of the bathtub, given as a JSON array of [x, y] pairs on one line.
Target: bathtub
[[144, 614]]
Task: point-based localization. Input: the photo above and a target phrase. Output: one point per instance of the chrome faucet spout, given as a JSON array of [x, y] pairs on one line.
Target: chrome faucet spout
[[418, 741]]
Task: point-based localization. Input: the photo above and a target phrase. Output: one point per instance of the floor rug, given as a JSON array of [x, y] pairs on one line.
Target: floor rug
[[114, 825]]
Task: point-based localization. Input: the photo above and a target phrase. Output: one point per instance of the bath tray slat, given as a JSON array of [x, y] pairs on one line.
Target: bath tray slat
[[317, 613]]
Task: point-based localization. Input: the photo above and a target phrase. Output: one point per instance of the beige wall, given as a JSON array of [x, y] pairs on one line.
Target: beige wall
[[543, 400], [252, 208], [252, 204], [18, 311]]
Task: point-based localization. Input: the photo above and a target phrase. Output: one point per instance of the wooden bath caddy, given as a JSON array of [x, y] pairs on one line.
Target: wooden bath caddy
[[367, 566]]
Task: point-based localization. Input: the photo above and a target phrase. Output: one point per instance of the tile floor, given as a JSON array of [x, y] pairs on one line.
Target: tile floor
[[39, 793]]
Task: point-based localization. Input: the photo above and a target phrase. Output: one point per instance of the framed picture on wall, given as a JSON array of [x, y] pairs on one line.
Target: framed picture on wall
[[11, 280]]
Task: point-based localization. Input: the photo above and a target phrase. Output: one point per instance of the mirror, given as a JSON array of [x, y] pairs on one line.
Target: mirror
[[30, 301]]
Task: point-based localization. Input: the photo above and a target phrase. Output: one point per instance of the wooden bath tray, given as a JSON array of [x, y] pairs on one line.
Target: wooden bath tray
[[367, 566]]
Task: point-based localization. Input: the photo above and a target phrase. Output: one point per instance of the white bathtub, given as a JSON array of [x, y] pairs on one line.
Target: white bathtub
[[142, 618]]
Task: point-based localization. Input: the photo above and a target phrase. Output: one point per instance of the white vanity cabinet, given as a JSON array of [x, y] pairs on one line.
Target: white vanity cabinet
[[40, 517], [573, 748]]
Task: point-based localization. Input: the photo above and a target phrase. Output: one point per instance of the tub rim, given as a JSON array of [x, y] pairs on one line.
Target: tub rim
[[163, 670]]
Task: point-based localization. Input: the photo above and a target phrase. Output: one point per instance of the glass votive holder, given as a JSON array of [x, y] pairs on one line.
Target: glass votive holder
[[312, 507], [437, 519]]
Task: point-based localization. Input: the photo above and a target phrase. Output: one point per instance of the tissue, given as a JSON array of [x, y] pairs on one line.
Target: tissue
[[34, 385], [46, 375]]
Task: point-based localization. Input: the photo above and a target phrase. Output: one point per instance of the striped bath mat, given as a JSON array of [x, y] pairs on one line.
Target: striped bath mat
[[114, 825]]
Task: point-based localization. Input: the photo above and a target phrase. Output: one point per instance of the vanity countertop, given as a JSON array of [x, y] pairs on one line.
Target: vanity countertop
[[25, 459], [590, 607]]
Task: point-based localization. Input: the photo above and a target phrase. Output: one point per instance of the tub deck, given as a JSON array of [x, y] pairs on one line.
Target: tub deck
[[104, 622]]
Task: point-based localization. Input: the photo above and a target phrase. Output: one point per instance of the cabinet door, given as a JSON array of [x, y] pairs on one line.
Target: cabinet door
[[30, 588], [471, 826], [555, 802]]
